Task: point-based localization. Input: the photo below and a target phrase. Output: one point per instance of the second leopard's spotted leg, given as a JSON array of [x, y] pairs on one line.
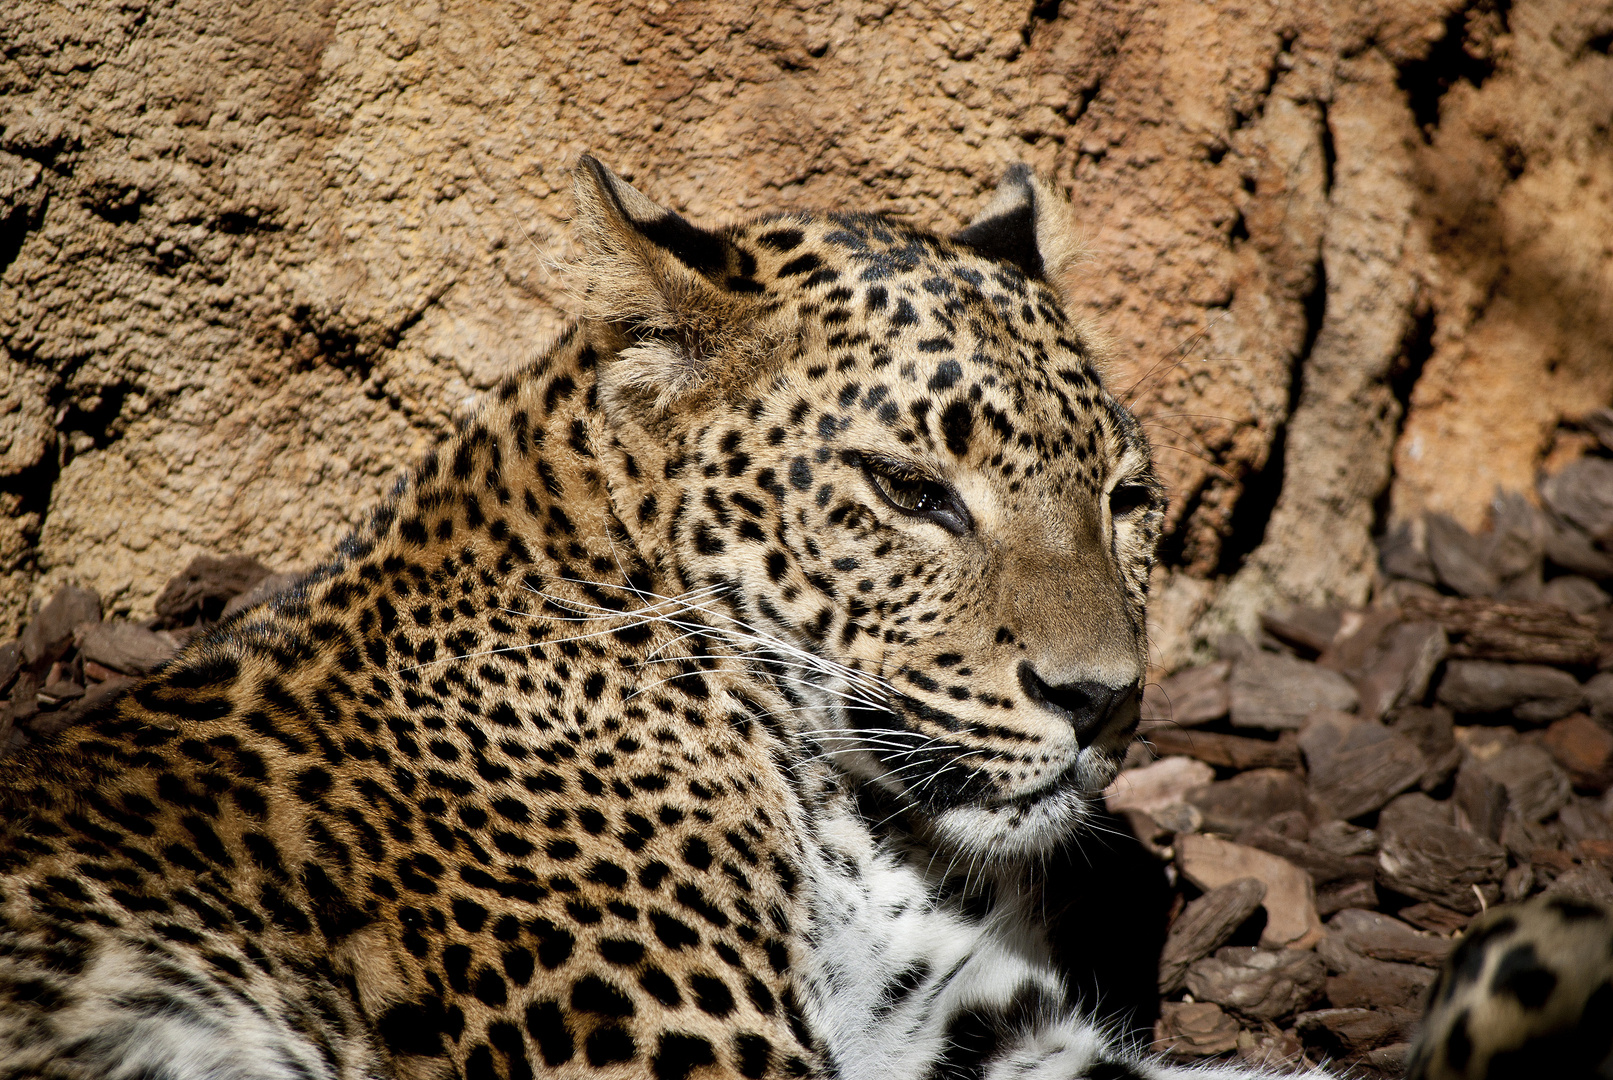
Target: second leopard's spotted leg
[[1526, 992]]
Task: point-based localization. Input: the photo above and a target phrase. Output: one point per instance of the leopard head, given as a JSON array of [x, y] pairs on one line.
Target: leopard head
[[889, 457]]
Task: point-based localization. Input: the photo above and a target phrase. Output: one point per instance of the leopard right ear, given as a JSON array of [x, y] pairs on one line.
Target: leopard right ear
[[679, 292], [1028, 224]]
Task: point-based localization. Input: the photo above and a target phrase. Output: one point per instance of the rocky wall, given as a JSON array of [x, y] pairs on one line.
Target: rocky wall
[[1356, 258]]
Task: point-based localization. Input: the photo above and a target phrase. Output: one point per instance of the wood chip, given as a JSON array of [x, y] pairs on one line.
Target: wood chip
[[1249, 799], [1290, 900], [1258, 983], [1373, 984], [1348, 1032], [1156, 785], [1437, 917], [1431, 861], [1190, 697], [1481, 800], [1278, 692], [1400, 673], [1584, 748], [1356, 766], [1531, 692], [1228, 751], [1194, 1029], [1324, 867], [1521, 633], [1204, 925]]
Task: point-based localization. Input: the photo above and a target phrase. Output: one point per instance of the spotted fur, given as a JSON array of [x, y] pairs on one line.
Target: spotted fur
[[704, 707], [1527, 992]]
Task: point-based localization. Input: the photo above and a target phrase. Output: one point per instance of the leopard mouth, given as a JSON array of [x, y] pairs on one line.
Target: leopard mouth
[[955, 775]]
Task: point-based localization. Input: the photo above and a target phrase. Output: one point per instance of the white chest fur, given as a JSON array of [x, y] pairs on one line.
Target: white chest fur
[[895, 964]]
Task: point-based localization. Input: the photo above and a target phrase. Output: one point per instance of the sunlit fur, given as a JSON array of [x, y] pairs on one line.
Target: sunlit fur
[[963, 369], [639, 734]]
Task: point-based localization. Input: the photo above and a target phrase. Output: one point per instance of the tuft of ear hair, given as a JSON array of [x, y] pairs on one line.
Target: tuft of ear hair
[[1029, 224], [672, 289]]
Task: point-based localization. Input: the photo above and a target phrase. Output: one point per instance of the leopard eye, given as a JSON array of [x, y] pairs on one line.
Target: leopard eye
[[1128, 498], [916, 495]]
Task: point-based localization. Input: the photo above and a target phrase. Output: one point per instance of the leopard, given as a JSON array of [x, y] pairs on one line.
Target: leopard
[[1527, 991], [706, 705]]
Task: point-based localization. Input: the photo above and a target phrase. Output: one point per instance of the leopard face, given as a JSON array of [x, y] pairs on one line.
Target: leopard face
[[905, 484]]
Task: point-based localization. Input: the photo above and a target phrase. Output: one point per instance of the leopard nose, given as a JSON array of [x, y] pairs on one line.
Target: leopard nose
[[1088, 706]]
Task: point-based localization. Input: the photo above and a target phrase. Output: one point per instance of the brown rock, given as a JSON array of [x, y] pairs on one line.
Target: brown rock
[[1157, 784], [1249, 799], [11, 663], [1600, 423], [1290, 901], [60, 690], [1571, 549], [52, 628], [1359, 641], [1531, 841], [1373, 984], [1428, 860], [1389, 1061], [1599, 696], [1383, 937], [1485, 741], [1582, 493], [1399, 676], [1194, 1029], [1518, 884], [1204, 925], [1324, 867], [1458, 558], [24, 698], [1436, 917], [1177, 817], [1432, 731], [1520, 633], [1230, 751], [1571, 592], [1516, 545], [99, 672], [1190, 697], [1272, 1048], [1278, 692], [1356, 766], [127, 647], [1403, 553], [1584, 749], [1590, 883], [1537, 787], [1582, 821], [1341, 895], [1262, 984], [1342, 838], [1310, 630], [1480, 800], [1348, 1032], [200, 591], [1532, 692], [49, 723]]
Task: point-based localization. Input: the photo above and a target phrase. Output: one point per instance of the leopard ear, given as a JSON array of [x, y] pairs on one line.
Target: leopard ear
[[671, 288], [1027, 224]]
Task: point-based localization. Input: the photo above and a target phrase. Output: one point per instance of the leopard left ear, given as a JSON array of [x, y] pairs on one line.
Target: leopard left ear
[[674, 294], [1028, 224]]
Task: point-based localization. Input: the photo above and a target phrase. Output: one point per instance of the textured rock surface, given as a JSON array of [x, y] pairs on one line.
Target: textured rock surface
[[254, 259]]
